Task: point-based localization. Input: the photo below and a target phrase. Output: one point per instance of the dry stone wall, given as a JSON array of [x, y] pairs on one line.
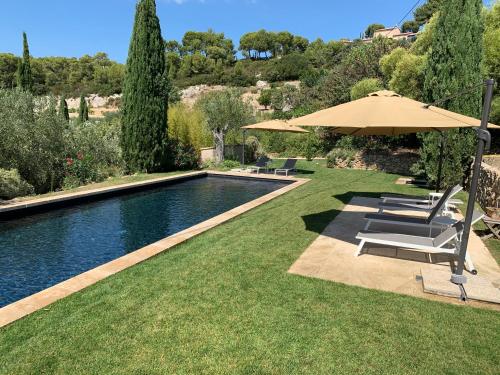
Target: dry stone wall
[[488, 193]]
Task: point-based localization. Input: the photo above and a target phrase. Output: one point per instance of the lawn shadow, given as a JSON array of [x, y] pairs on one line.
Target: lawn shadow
[[317, 222], [347, 196], [304, 171]]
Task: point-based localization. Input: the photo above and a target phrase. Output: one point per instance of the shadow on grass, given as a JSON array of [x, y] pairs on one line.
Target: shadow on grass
[[317, 222], [347, 196], [305, 171]]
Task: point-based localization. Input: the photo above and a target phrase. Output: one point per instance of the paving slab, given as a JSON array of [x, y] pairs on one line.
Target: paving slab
[[438, 282], [482, 289], [332, 256]]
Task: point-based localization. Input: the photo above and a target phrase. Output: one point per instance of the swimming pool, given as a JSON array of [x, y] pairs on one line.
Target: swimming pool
[[45, 248]]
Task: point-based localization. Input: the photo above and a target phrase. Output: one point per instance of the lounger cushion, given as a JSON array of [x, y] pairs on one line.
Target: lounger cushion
[[397, 218], [404, 206], [395, 239]]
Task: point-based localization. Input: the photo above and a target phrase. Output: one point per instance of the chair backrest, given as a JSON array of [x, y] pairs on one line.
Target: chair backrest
[[455, 230], [289, 164], [261, 162], [451, 191], [449, 234]]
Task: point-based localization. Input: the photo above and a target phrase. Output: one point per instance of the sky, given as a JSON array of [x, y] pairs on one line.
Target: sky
[[74, 28]]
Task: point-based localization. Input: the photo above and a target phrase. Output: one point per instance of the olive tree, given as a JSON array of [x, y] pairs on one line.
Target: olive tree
[[224, 111]]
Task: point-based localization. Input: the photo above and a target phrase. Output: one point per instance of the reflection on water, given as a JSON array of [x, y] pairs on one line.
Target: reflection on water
[[44, 249]]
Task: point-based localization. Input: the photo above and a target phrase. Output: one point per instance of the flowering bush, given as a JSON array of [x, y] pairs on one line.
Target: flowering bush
[[81, 169]]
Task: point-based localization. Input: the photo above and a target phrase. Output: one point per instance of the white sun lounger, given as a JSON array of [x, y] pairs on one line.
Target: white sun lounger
[[415, 199], [261, 164], [447, 242], [287, 167], [421, 205], [434, 216]]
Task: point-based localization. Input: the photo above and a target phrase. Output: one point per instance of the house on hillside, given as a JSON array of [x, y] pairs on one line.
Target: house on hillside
[[393, 33]]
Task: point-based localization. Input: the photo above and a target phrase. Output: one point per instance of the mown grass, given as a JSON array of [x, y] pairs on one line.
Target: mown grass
[[223, 302]]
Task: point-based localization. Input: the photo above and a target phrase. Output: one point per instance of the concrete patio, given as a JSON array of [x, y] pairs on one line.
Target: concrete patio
[[332, 257]]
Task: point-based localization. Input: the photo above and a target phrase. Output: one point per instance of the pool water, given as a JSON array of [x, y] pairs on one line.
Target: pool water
[[43, 249]]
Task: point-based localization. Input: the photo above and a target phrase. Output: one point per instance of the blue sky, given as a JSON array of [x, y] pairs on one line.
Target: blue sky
[[75, 28]]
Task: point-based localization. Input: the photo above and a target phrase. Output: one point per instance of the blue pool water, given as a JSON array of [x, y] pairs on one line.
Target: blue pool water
[[43, 249]]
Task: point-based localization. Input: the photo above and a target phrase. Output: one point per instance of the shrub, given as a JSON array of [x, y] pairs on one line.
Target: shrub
[[12, 185], [185, 155], [365, 87], [340, 158], [289, 67], [93, 151], [230, 164], [265, 98], [311, 146], [81, 170], [100, 139], [31, 138]]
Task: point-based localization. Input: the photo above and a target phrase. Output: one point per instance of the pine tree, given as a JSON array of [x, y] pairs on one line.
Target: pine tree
[[454, 65], [145, 94], [63, 108], [83, 113], [24, 77]]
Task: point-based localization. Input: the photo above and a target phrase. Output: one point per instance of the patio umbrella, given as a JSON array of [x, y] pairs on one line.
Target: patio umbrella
[[385, 113], [273, 126], [276, 126], [388, 113]]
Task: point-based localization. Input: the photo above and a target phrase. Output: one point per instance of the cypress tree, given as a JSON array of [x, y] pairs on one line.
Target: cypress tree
[[83, 113], [24, 77], [63, 108], [456, 55], [145, 94], [454, 64]]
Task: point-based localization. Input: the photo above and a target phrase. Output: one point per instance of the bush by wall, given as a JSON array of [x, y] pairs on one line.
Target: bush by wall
[[12, 185]]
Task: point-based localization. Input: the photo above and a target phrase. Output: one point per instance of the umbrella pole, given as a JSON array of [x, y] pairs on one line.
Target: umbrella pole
[[483, 141], [440, 163]]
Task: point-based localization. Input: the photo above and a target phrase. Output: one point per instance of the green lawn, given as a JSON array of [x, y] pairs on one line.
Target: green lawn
[[224, 303]]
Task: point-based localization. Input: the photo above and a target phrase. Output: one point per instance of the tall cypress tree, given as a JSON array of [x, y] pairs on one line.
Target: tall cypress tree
[[83, 112], [454, 65], [24, 77], [63, 108], [145, 94]]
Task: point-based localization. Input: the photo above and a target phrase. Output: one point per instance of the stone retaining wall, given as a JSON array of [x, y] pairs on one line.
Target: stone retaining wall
[[398, 162], [489, 186]]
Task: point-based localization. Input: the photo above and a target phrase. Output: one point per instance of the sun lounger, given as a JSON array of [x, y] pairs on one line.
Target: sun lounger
[[416, 199], [423, 205], [287, 167], [260, 164], [432, 218], [446, 242]]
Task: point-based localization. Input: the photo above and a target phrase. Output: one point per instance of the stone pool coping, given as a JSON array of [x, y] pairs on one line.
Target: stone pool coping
[[40, 300]]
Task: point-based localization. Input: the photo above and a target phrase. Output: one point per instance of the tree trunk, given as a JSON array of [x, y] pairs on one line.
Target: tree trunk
[[219, 146]]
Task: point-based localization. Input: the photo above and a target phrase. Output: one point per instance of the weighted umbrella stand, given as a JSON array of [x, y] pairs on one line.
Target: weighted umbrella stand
[[484, 141]]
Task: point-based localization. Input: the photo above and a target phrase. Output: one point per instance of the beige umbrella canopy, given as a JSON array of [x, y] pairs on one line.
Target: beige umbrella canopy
[[275, 125], [386, 113]]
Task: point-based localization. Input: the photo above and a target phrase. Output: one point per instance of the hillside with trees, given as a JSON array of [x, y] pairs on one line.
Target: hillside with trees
[[280, 74]]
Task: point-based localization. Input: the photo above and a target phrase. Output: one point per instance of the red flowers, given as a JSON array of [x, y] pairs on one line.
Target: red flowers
[[69, 161]]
